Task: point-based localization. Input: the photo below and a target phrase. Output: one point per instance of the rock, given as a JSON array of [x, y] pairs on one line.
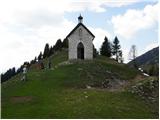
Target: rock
[[108, 71], [80, 69], [88, 87], [145, 74], [86, 96], [64, 63], [85, 92]]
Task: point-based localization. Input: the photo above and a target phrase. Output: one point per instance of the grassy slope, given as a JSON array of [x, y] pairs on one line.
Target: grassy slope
[[60, 93]]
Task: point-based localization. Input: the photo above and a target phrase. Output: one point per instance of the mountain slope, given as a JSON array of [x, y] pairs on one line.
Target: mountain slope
[[75, 89], [148, 58]]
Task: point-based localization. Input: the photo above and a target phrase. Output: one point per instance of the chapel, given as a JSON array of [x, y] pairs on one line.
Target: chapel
[[80, 42]]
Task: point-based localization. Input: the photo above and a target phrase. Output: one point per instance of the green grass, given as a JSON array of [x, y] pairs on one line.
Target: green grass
[[61, 93]]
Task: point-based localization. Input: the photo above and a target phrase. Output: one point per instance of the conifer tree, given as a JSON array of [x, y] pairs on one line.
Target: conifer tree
[[95, 52], [58, 45], [65, 43], [51, 51], [116, 48], [40, 56], [106, 48], [46, 51]]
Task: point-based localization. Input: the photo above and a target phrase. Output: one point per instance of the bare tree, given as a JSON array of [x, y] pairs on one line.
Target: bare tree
[[133, 54]]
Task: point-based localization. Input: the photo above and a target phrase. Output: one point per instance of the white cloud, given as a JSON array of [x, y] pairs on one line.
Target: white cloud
[[17, 47], [128, 24], [26, 25], [125, 55]]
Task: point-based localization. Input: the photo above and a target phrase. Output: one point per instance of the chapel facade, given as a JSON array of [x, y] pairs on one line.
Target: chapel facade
[[80, 42]]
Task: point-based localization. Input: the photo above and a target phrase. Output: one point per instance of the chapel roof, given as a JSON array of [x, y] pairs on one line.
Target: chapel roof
[[77, 27]]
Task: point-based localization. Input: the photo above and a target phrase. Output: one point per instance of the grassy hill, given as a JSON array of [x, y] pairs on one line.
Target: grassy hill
[[75, 89]]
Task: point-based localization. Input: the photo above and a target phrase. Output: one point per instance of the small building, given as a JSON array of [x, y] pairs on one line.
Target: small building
[[80, 42]]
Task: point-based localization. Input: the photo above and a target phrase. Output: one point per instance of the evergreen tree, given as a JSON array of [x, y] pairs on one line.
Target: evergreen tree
[[95, 52], [106, 48], [65, 43], [40, 56], [50, 51], [8, 74], [2, 77], [35, 59], [19, 69], [116, 48], [58, 45], [46, 51], [13, 71]]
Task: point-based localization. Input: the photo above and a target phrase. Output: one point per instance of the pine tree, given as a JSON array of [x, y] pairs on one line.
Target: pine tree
[[46, 51], [58, 45], [65, 43], [35, 59], [106, 48], [8, 74], [40, 56], [95, 52], [51, 51], [13, 71], [116, 48]]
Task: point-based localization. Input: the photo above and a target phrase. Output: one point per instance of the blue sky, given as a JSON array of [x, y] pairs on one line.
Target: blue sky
[[27, 25]]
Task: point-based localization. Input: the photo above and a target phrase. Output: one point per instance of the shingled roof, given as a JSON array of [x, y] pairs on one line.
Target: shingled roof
[[77, 27]]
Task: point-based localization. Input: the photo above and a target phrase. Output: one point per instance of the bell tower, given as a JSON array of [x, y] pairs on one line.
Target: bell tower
[[80, 19]]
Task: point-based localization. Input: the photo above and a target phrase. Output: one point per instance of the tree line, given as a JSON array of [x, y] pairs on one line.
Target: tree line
[[107, 49], [48, 51]]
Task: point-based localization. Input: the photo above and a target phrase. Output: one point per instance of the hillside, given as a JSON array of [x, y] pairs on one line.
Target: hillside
[[148, 58], [76, 89]]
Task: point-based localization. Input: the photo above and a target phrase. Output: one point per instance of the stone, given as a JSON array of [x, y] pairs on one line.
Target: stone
[[88, 87], [80, 69], [85, 92], [86, 96]]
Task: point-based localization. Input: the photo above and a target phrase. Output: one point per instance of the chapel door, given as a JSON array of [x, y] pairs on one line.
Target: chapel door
[[80, 51]]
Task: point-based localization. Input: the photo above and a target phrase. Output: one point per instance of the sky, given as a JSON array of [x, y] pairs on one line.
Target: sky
[[27, 25]]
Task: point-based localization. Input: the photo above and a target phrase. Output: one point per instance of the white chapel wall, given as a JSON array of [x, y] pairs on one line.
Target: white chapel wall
[[74, 40]]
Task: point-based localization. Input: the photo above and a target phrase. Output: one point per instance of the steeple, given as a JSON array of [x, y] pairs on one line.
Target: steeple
[[80, 19]]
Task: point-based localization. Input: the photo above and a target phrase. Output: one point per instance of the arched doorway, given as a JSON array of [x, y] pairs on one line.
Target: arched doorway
[[80, 51]]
